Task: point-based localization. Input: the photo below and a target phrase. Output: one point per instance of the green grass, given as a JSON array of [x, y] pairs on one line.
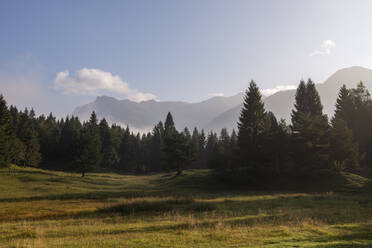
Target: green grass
[[40, 208]]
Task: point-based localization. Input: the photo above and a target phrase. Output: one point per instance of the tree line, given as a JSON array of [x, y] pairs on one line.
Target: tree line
[[262, 145]]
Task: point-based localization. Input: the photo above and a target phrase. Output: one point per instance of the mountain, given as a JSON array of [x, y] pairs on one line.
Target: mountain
[[144, 115], [281, 103], [216, 112]]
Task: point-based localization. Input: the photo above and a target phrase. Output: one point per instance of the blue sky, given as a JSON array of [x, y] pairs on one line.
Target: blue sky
[[55, 55]]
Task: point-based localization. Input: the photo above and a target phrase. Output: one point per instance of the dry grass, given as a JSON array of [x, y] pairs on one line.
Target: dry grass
[[54, 209]]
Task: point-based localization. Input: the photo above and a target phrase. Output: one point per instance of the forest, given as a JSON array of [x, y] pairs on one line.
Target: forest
[[262, 146]]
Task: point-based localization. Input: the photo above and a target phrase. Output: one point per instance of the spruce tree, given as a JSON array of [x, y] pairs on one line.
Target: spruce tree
[[344, 106], [156, 147], [127, 151], [360, 122], [310, 128], [313, 102], [49, 135], [170, 143], [224, 144], [67, 149], [300, 105], [6, 134], [202, 150], [211, 151], [110, 158], [344, 151], [177, 147], [28, 135], [233, 142], [251, 127], [169, 127], [88, 149]]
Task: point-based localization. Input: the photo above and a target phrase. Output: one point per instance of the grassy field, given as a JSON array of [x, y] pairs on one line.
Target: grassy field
[[41, 208]]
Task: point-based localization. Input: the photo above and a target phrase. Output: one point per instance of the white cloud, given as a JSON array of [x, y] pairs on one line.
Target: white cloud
[[95, 82], [325, 48], [216, 94], [272, 91]]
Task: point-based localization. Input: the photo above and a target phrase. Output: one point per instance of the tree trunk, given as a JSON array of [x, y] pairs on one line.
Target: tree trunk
[[83, 174]]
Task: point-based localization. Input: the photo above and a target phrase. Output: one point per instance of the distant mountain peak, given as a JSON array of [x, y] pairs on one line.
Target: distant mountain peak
[[350, 75], [218, 111]]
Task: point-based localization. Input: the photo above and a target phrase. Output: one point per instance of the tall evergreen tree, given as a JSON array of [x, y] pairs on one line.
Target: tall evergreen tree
[[360, 122], [251, 127], [202, 150], [110, 158], [169, 127], [344, 151], [344, 106], [156, 147], [233, 142], [28, 135], [127, 151], [223, 150], [177, 147], [6, 134], [68, 142], [88, 150], [310, 128], [300, 105], [49, 135], [212, 152], [170, 140]]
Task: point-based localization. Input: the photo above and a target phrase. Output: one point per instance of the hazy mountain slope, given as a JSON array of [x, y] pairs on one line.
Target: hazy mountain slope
[[281, 103], [144, 115], [216, 112], [228, 119]]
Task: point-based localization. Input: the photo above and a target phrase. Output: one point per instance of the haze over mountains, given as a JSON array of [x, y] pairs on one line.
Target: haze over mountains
[[216, 112]]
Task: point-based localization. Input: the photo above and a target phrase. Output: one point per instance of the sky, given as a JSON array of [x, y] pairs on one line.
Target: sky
[[56, 55]]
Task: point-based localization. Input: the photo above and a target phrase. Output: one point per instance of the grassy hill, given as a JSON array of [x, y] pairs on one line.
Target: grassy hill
[[40, 208]]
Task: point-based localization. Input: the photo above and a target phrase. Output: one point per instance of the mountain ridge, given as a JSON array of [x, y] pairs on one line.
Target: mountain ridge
[[218, 111]]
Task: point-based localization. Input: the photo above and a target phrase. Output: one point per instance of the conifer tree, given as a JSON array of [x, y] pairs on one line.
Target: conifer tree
[[156, 147], [344, 106], [127, 151], [88, 150], [344, 152], [224, 147], [202, 150], [67, 149], [6, 134], [170, 142], [233, 142], [197, 151], [313, 102], [310, 128], [110, 158], [251, 127], [300, 105], [169, 128], [211, 151], [177, 147], [28, 135], [49, 136], [360, 122]]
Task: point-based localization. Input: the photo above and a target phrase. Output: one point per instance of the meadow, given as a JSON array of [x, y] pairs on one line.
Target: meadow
[[41, 208]]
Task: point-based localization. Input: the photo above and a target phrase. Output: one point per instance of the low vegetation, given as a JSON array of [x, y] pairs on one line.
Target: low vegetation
[[40, 208]]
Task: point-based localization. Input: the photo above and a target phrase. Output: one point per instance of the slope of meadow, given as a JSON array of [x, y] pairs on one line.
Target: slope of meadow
[[40, 208]]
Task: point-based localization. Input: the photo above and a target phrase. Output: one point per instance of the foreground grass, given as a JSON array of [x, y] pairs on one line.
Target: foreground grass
[[53, 209]]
